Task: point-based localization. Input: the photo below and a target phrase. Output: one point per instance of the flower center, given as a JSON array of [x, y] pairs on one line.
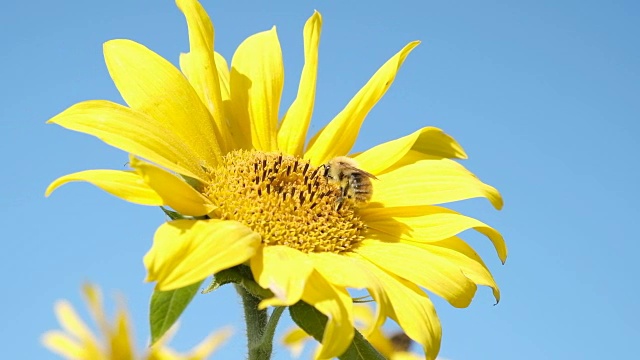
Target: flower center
[[286, 200]]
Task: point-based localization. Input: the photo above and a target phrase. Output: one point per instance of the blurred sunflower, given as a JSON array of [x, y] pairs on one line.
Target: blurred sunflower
[[393, 347], [77, 342], [214, 149]]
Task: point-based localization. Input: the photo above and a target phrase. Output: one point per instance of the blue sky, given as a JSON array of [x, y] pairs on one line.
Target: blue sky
[[543, 96]]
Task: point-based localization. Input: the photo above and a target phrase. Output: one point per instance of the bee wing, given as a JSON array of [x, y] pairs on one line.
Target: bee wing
[[360, 171]]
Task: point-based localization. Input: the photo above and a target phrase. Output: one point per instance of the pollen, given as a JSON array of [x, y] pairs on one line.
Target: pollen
[[286, 200]]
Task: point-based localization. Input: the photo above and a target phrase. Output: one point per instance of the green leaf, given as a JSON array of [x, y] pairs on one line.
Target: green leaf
[[313, 322], [166, 307]]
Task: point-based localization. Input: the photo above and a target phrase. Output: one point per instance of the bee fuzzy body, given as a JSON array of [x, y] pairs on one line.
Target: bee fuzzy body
[[354, 182]]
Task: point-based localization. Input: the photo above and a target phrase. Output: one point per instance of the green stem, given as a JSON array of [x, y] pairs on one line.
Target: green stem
[[256, 321], [270, 330]]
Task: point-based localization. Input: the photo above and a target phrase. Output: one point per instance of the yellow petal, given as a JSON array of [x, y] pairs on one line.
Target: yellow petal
[[431, 271], [187, 251], [428, 140], [429, 182], [412, 310], [404, 355], [121, 339], [257, 77], [427, 224], [223, 75], [72, 323], [350, 272], [199, 66], [272, 269], [133, 132], [63, 345], [364, 317], [335, 303], [93, 298], [126, 185], [153, 86], [340, 134], [460, 254], [293, 129], [294, 340], [174, 191]]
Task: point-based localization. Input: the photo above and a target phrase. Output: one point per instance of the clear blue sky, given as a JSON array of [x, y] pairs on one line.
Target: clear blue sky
[[543, 95]]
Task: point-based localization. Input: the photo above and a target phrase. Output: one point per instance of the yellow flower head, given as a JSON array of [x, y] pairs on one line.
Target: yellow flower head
[[116, 342], [206, 141]]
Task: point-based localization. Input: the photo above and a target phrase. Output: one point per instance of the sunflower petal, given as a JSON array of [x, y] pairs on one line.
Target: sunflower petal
[[223, 74], [131, 131], [428, 224], [271, 268], [412, 310], [63, 345], [126, 185], [199, 66], [340, 134], [121, 337], [187, 251], [428, 140], [350, 272], [174, 191], [429, 182], [460, 254], [433, 272], [72, 323], [93, 298], [207, 346], [335, 303], [257, 78], [293, 129], [153, 86], [295, 339], [373, 333]]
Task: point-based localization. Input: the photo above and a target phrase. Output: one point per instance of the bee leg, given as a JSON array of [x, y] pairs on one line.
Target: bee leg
[[325, 173], [345, 190], [340, 203]]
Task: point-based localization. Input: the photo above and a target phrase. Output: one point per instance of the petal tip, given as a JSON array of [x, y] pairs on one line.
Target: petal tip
[[51, 188]]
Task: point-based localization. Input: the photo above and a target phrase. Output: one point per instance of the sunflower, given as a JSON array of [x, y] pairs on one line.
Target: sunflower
[[206, 141], [117, 343]]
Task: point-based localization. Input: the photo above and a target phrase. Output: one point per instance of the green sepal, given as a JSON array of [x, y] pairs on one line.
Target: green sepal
[[174, 215], [226, 276], [167, 306], [313, 323], [240, 275]]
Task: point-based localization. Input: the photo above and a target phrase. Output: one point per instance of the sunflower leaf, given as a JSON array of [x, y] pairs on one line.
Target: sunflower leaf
[[313, 323], [167, 306]]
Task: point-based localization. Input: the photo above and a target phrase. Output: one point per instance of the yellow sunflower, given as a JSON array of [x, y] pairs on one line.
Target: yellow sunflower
[[77, 342], [214, 149]]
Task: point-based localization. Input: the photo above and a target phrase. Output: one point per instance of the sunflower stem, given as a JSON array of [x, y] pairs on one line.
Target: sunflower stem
[[266, 343], [256, 321]]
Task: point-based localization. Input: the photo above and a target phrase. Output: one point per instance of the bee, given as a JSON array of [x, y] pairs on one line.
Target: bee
[[354, 182], [401, 342]]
